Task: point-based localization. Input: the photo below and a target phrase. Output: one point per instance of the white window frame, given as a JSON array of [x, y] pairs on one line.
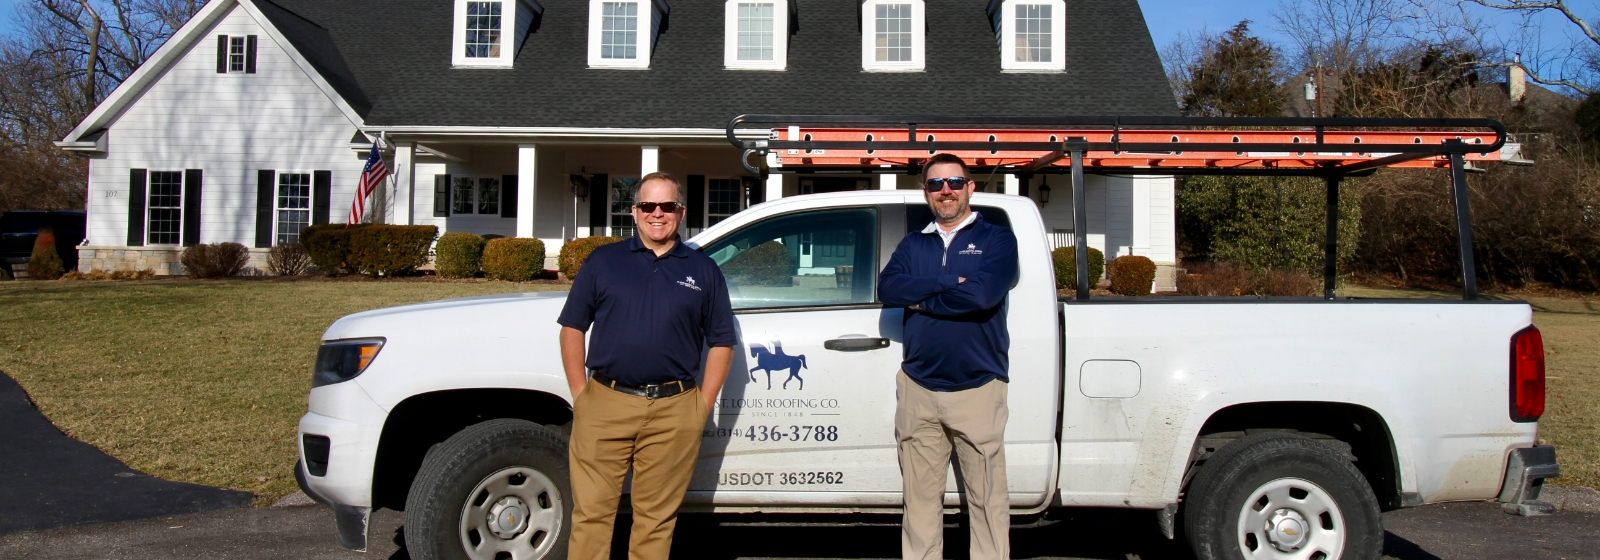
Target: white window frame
[[780, 36], [739, 202], [516, 16], [477, 189], [644, 33], [277, 193], [149, 193], [1058, 37], [869, 28]]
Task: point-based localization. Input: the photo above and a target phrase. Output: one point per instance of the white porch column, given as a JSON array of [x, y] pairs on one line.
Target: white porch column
[[649, 160], [888, 182], [774, 187], [1013, 185], [405, 177], [1141, 216], [527, 178]]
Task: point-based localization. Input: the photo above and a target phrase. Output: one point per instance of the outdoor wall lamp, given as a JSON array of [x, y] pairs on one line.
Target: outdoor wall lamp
[[749, 184], [580, 186], [1044, 192]]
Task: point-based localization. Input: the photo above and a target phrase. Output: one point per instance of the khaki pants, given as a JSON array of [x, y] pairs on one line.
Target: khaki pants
[[927, 425], [659, 438]]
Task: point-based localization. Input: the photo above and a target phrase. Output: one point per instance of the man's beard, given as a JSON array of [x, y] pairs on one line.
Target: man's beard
[[961, 208]]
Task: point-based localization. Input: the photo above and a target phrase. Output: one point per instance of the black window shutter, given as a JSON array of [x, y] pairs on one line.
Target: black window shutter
[[265, 181], [222, 54], [599, 209], [758, 194], [508, 196], [191, 206], [250, 54], [136, 194], [441, 196], [321, 191], [697, 201]]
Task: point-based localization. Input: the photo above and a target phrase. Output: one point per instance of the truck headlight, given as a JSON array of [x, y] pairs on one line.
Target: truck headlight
[[341, 360]]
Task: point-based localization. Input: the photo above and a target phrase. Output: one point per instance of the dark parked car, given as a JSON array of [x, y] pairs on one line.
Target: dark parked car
[[19, 228]]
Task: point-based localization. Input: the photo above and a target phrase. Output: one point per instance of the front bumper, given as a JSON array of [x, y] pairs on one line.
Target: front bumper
[[352, 424], [1526, 471]]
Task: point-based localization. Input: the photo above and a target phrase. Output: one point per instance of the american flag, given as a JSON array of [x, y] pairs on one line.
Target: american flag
[[371, 176]]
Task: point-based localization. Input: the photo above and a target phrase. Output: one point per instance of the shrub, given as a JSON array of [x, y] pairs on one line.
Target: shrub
[[575, 251], [73, 275], [1131, 275], [329, 247], [45, 264], [460, 254], [140, 274], [288, 259], [389, 250], [1264, 223], [1066, 261], [517, 259], [215, 260], [97, 274], [766, 264], [1213, 279]]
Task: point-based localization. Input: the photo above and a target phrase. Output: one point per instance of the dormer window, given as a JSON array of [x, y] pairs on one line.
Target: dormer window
[[757, 34], [489, 32], [1031, 33], [892, 35], [623, 32]]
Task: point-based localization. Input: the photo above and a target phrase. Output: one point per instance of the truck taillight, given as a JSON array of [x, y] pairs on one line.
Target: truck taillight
[[1527, 375]]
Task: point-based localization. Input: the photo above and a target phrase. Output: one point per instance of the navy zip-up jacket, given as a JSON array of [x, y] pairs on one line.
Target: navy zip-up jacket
[[958, 339]]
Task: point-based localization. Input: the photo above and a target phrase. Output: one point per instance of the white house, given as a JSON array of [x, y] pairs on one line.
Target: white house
[[255, 119]]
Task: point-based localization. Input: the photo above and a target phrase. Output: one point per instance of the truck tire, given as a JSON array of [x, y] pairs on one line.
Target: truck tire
[[500, 486], [1280, 495]]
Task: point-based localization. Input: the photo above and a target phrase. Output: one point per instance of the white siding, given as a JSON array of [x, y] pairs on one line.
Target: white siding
[[229, 126], [1163, 228]]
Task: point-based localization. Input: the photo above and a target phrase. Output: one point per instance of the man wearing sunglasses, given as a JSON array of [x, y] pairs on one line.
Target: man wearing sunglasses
[[952, 278], [654, 304]]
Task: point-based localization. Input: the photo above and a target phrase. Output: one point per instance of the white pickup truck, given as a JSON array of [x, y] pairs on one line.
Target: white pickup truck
[[1274, 427]]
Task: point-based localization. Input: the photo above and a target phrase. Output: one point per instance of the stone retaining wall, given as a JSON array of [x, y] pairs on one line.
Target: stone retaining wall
[[164, 261]]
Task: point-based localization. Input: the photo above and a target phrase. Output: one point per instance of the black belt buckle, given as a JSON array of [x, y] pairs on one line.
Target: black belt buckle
[[654, 392]]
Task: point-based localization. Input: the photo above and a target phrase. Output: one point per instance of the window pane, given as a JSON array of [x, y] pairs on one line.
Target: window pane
[[622, 207], [488, 196], [461, 197], [294, 205], [236, 54], [755, 31], [165, 207], [722, 199], [1033, 33], [813, 258], [619, 25], [893, 33], [483, 29]]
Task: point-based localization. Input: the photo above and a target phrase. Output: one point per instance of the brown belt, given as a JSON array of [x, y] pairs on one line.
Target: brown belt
[[659, 391]]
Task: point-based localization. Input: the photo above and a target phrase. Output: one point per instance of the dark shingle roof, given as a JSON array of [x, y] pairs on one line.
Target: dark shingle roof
[[319, 48], [398, 51]]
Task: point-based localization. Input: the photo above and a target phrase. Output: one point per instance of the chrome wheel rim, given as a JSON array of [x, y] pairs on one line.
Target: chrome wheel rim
[[516, 510], [1291, 518]]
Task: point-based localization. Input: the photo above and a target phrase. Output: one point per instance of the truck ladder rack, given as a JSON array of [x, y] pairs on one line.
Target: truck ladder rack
[[1330, 148]]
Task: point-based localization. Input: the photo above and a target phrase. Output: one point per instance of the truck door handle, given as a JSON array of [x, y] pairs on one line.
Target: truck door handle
[[855, 344]]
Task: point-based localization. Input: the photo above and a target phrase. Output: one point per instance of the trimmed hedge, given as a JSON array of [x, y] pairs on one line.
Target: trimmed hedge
[[329, 246], [575, 251], [1066, 262], [45, 263], [388, 250], [517, 259], [1131, 275], [766, 264], [215, 260], [459, 254]]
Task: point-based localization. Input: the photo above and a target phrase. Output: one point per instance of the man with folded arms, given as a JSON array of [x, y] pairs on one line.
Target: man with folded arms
[[654, 304], [952, 277]]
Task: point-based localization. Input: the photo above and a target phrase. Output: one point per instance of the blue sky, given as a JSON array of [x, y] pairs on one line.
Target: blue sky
[[1168, 18], [8, 15]]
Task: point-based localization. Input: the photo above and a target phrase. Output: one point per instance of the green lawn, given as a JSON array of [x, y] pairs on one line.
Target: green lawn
[[198, 381], [203, 381]]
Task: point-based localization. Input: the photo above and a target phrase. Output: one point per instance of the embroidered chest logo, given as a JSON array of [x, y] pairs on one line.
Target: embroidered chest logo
[[688, 282], [972, 249]]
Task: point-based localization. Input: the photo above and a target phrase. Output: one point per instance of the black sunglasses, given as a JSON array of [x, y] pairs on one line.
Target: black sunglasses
[[650, 207], [936, 184]]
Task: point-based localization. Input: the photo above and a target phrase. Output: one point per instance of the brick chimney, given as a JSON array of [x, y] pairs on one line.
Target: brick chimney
[[1517, 81]]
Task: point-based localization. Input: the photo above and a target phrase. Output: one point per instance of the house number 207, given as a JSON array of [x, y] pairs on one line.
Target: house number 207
[[113, 194]]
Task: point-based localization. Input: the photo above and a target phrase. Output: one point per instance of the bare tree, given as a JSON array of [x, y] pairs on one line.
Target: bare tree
[[1575, 65], [1343, 34]]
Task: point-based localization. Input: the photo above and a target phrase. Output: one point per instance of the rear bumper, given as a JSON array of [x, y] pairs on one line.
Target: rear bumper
[[1526, 471]]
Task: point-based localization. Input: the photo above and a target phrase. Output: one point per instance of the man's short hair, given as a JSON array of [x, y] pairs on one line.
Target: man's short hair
[[677, 187], [945, 157]]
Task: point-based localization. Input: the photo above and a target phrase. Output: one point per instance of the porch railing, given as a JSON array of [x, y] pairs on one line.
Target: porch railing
[[1062, 238]]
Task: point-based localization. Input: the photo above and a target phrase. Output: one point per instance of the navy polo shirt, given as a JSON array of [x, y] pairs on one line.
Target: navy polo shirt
[[651, 315]]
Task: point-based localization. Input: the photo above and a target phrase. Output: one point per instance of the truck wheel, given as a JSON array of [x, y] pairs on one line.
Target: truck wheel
[[1281, 496], [498, 489]]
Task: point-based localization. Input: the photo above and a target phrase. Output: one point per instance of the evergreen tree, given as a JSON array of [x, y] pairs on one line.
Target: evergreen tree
[[1236, 75]]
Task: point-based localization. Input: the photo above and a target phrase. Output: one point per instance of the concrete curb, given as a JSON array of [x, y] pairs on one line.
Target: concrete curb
[[297, 499], [1577, 499]]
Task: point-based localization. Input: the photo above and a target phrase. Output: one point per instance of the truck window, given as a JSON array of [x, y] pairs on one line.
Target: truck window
[[918, 216], [825, 257]]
